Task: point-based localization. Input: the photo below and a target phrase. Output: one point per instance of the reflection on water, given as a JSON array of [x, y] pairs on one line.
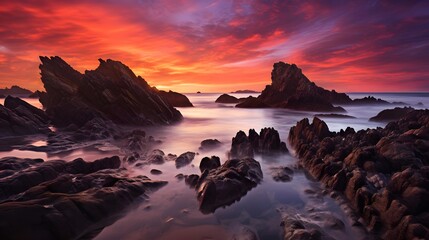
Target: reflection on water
[[172, 212]]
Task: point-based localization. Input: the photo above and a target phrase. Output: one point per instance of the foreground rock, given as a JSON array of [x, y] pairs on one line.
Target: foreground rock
[[65, 200], [176, 99], [290, 88], [391, 114], [383, 172], [225, 98], [266, 142], [223, 185], [110, 92], [17, 117]]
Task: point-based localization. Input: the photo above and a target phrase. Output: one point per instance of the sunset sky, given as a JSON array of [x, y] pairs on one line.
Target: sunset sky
[[219, 46]]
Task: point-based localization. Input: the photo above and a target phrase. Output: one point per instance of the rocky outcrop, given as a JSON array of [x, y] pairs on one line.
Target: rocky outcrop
[[290, 88], [391, 114], [209, 163], [36, 94], [245, 91], [383, 172], [17, 117], [252, 102], [112, 92], [209, 144], [223, 185], [266, 142], [225, 98], [370, 100], [184, 159], [176, 99], [15, 91], [65, 200]]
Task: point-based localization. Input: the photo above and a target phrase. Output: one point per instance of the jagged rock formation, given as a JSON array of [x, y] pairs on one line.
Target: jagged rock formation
[[383, 172], [391, 114], [267, 142], [36, 94], [225, 98], [112, 91], [176, 99], [17, 117], [65, 200], [223, 185], [15, 91], [290, 88]]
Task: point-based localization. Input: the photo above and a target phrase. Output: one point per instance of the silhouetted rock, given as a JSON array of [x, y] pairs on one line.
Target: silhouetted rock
[[267, 142], [391, 114], [209, 144], [112, 92], [36, 94], [383, 172], [15, 91], [252, 102], [2, 96], [333, 115], [66, 200], [228, 183], [225, 98], [155, 171], [176, 99], [245, 91], [292, 89], [209, 163], [368, 101], [18, 117]]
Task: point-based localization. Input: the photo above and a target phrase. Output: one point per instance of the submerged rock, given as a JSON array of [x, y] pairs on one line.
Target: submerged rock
[[384, 173], [281, 174], [176, 99], [66, 200], [267, 142], [391, 114], [112, 92], [225, 98]]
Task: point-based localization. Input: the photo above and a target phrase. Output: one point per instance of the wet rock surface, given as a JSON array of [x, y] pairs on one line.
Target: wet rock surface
[[176, 99], [17, 117], [65, 200], [112, 92], [266, 142], [223, 185], [225, 98], [383, 172], [391, 114]]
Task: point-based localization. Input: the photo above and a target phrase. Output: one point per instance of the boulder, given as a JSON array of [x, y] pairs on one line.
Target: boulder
[[226, 184], [209, 163], [184, 159], [209, 144]]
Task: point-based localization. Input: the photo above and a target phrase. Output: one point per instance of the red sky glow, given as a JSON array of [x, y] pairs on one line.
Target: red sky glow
[[220, 46]]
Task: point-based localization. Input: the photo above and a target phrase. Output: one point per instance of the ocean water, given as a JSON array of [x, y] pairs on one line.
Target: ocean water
[[172, 212]]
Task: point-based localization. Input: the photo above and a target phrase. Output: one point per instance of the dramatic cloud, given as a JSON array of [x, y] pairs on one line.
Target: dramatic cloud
[[191, 45]]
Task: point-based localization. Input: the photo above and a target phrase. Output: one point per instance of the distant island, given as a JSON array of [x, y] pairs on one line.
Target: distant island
[[245, 91], [15, 91]]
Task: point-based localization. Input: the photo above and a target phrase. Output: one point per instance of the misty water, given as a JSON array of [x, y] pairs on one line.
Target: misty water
[[172, 211]]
